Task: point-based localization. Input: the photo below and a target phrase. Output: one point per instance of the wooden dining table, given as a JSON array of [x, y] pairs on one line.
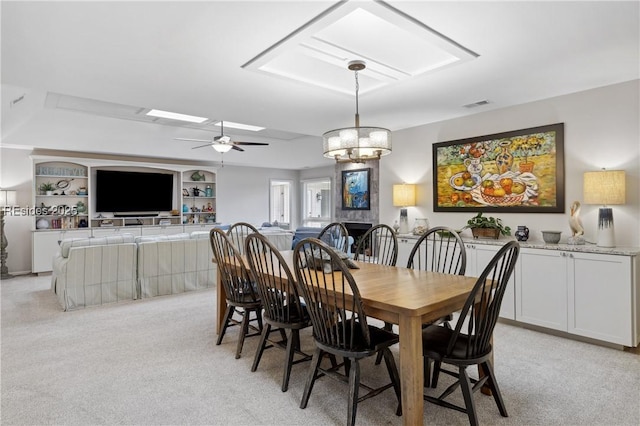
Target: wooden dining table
[[408, 298]]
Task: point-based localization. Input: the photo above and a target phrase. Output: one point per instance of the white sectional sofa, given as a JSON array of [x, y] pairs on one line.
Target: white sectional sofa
[[95, 271], [169, 264]]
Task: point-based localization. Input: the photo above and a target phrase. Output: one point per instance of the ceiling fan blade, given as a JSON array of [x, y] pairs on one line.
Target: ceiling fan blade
[[202, 146], [192, 140], [250, 143], [237, 148]]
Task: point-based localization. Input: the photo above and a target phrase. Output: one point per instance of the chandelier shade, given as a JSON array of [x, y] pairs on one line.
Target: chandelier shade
[[356, 144]]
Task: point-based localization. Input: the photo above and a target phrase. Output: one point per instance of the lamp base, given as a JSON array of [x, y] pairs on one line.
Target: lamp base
[[404, 222], [606, 236]]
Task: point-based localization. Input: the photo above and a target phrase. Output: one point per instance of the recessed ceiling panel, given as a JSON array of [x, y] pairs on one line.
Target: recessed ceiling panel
[[394, 46]]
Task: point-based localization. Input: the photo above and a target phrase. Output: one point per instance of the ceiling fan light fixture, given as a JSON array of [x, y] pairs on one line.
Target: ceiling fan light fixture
[[222, 147], [356, 144]]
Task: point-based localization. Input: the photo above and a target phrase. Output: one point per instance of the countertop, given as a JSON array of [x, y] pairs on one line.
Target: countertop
[[583, 248]]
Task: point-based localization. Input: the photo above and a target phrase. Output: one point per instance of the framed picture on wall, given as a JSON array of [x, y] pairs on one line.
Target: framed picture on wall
[[355, 189], [515, 171]]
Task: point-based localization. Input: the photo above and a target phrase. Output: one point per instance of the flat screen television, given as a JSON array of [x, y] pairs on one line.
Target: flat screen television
[[133, 193]]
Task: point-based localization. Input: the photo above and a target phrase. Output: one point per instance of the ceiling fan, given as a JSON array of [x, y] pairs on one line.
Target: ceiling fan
[[222, 143]]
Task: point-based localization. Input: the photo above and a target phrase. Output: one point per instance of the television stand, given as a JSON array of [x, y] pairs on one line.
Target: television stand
[[136, 214]]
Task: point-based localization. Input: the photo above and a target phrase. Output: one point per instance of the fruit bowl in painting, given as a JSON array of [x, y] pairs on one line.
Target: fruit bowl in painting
[[507, 200], [457, 182]]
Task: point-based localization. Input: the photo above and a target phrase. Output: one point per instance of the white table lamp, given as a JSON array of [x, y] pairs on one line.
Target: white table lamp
[[404, 195], [606, 187]]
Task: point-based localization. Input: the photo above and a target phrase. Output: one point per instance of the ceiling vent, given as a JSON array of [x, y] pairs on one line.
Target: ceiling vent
[[476, 104]]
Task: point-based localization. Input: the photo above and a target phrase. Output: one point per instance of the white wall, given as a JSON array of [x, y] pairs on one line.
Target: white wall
[[16, 173], [243, 194], [601, 130]]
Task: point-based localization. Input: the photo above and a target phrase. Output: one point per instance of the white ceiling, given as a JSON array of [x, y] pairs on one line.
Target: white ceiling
[[188, 57]]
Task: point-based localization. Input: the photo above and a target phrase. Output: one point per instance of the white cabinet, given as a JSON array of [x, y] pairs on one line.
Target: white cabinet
[[161, 230], [46, 244], [600, 297], [541, 288], [405, 245], [478, 257], [587, 294], [107, 231]]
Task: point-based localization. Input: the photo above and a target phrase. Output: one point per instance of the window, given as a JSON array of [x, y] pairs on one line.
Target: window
[[316, 202], [280, 202]]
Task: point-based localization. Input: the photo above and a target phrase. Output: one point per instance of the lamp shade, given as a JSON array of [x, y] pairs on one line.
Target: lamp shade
[[7, 198], [404, 195], [605, 187]]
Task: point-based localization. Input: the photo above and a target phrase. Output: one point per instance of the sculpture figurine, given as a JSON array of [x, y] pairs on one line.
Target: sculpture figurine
[[576, 225]]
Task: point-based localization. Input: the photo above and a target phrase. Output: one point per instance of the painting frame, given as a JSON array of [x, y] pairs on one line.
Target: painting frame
[[519, 171], [356, 189]]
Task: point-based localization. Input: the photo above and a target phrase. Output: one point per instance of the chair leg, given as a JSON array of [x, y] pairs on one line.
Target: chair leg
[[427, 372], [388, 327], [258, 312], [467, 393], [263, 342], [313, 368], [436, 374], [292, 342], [393, 375], [354, 386], [495, 390], [227, 317], [244, 330]]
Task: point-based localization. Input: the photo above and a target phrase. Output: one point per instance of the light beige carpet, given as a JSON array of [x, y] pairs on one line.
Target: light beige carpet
[[155, 362]]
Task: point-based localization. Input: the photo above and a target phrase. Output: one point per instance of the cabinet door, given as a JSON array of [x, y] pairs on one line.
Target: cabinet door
[[404, 250], [601, 297], [161, 230], [45, 245], [541, 288], [115, 230], [478, 257]]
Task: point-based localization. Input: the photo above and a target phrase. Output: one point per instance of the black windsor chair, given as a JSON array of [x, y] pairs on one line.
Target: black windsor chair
[[241, 295], [469, 343], [283, 309], [339, 323]]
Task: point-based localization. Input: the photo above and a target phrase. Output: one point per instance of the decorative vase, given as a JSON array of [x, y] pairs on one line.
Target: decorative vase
[[473, 165], [81, 207], [420, 226], [504, 160], [185, 208], [522, 233], [209, 191]]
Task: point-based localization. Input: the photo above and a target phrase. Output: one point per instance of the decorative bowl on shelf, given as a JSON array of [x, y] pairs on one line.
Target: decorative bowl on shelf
[[551, 237]]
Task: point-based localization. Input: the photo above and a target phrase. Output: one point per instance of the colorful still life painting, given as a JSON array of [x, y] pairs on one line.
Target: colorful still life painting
[[517, 171]]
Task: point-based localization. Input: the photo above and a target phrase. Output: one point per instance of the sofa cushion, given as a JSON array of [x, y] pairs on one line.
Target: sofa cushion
[[66, 245], [200, 235], [154, 238]]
